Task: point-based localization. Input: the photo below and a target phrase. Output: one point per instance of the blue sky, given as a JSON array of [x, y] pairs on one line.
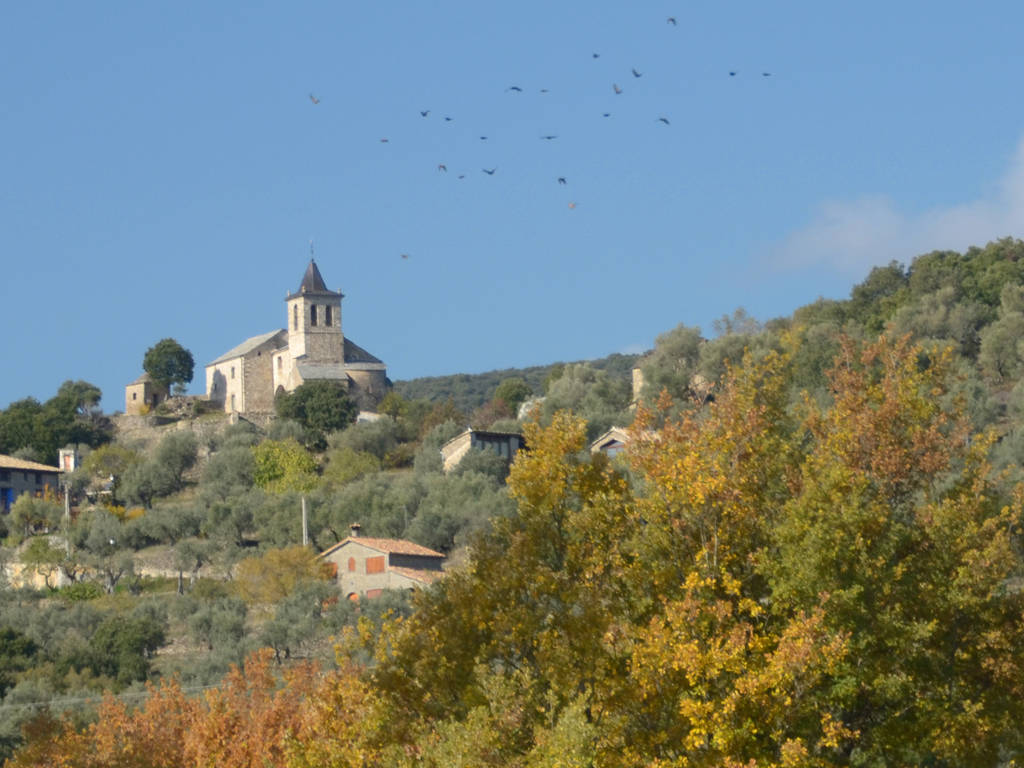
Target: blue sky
[[163, 169]]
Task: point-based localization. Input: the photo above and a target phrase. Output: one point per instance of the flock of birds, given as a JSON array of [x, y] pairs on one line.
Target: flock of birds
[[561, 180]]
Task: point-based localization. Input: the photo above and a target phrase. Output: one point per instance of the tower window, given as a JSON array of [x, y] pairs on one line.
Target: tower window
[[279, 361], [312, 314], [295, 317], [327, 315], [232, 371]]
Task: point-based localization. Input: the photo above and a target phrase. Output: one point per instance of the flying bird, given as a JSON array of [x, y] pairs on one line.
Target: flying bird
[[405, 255], [597, 55], [383, 141], [732, 74], [543, 90], [572, 205], [549, 137], [616, 88], [424, 112], [664, 120], [606, 114], [561, 180], [462, 175], [671, 20], [514, 88], [442, 167], [483, 138], [489, 171], [447, 119], [635, 73], [766, 74], [314, 99]]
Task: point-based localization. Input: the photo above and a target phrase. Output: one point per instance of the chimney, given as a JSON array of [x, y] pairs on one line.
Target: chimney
[[354, 530]]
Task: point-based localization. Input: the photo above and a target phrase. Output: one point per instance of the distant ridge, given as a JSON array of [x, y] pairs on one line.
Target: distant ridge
[[471, 390]]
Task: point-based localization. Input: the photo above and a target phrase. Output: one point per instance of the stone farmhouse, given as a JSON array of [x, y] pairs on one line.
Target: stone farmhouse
[[505, 444], [313, 347], [365, 567], [18, 476]]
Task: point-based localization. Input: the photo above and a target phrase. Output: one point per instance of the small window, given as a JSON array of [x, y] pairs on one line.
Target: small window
[[312, 314], [135, 395], [232, 371], [280, 362], [351, 565], [327, 315], [295, 317], [232, 402], [39, 478], [375, 564]]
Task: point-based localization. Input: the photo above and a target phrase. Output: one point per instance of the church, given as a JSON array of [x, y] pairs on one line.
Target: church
[[312, 348]]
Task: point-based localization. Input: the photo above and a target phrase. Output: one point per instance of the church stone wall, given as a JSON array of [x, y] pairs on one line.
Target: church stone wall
[[367, 388], [259, 381], [225, 383]]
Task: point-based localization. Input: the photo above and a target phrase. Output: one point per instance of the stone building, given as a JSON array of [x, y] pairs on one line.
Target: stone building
[[313, 347], [505, 444], [18, 476], [142, 395], [365, 567]]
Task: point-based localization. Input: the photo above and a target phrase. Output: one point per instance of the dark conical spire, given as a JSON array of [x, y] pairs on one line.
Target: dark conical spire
[[313, 282]]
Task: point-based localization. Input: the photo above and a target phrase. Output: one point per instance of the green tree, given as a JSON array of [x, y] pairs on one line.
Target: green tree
[[1002, 348], [672, 364], [283, 466], [345, 465], [169, 364], [513, 391], [590, 393], [31, 515], [122, 647], [17, 424], [321, 406], [43, 558]]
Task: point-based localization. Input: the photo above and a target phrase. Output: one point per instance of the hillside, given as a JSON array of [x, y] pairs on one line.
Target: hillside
[[469, 391], [859, 453]]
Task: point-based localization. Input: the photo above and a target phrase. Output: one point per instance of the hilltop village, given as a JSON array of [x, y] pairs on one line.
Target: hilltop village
[[795, 542]]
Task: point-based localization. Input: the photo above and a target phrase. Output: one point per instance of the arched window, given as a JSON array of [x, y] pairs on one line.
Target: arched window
[[312, 314], [327, 315]]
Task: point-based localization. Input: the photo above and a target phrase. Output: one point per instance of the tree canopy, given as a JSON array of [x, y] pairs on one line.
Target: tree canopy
[[168, 364]]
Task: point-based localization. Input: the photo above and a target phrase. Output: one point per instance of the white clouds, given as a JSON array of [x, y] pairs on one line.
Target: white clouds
[[850, 237]]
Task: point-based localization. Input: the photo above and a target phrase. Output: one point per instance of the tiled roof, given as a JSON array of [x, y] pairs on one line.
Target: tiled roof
[[425, 577], [391, 546], [247, 346], [9, 462]]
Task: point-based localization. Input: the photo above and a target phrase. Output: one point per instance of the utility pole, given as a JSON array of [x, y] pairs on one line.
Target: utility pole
[[305, 523], [67, 518]]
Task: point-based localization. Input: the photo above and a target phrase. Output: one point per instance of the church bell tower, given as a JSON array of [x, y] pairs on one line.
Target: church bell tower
[[314, 321]]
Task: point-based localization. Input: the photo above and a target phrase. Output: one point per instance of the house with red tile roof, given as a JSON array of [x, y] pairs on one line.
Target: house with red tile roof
[[366, 566]]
